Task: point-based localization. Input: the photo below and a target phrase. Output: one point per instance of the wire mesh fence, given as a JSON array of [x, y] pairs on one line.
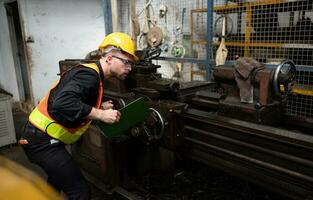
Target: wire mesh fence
[[272, 31], [267, 30]]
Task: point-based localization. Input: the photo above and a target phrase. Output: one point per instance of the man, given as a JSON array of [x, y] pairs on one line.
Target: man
[[65, 113]]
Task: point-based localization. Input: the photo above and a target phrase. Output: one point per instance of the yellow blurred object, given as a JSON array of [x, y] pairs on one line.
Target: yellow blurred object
[[282, 88], [302, 91], [120, 40], [306, 90], [18, 183]]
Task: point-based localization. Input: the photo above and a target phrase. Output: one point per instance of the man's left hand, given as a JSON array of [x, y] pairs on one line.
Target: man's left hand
[[107, 105]]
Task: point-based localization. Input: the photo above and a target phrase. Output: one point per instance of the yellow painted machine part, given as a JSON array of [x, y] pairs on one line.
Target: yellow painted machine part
[[17, 183], [302, 91], [242, 6], [299, 90]]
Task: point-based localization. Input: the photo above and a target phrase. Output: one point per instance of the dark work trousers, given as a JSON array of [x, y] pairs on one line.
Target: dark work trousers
[[51, 155]]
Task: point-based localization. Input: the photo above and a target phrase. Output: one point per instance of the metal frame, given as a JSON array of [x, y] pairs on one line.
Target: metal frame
[[209, 39], [182, 60], [107, 14]]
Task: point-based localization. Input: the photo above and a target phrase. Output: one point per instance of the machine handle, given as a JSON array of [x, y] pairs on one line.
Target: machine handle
[[161, 133], [276, 83]]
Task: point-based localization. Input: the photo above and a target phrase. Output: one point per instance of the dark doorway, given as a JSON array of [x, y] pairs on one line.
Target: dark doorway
[[18, 49]]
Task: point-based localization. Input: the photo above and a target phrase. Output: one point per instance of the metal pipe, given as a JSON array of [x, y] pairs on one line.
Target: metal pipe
[[208, 67], [107, 14]]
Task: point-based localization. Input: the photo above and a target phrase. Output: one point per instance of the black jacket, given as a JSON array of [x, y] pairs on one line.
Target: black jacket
[[72, 100]]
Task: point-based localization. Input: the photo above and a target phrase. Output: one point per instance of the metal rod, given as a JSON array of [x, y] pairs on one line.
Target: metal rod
[[209, 48], [183, 60], [107, 14]]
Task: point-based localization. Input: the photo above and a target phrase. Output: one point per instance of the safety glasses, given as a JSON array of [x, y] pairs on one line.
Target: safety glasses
[[125, 61]]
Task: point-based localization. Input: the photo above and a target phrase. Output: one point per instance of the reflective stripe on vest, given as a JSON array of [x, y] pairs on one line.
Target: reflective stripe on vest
[[40, 118]]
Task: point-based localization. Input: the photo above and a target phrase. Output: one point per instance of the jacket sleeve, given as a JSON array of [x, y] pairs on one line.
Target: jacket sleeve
[[75, 99]]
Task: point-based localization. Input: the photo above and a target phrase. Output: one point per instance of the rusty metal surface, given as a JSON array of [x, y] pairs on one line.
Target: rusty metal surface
[[265, 107], [277, 159]]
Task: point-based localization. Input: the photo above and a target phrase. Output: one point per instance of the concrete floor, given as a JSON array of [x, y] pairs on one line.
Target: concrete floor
[[14, 151]]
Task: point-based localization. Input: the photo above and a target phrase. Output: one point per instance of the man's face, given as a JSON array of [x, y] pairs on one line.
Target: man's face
[[121, 65]]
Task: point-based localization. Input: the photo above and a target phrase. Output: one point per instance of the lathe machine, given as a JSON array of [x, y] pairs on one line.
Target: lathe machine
[[239, 130]]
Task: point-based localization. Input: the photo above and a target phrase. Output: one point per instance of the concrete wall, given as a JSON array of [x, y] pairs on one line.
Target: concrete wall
[[60, 29]]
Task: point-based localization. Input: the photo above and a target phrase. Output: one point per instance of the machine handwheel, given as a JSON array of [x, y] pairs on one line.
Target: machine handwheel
[[290, 72], [159, 131]]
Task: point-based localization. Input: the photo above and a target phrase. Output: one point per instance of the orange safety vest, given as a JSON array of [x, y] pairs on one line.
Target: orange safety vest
[[41, 119]]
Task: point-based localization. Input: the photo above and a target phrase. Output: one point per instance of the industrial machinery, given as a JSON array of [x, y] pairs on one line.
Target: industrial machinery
[[210, 122]]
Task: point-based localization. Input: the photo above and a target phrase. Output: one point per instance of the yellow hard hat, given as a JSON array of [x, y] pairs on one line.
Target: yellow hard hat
[[121, 41]]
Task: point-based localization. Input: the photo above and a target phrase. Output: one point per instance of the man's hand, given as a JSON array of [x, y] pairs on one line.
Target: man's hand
[[109, 116], [107, 105]]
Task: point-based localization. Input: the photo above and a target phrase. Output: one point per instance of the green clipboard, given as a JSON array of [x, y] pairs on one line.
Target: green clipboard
[[133, 113]]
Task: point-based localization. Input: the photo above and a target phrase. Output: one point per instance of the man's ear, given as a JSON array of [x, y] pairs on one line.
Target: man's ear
[[109, 58]]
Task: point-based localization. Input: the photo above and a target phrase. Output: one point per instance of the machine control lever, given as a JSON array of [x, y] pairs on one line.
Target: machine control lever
[[284, 77]]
